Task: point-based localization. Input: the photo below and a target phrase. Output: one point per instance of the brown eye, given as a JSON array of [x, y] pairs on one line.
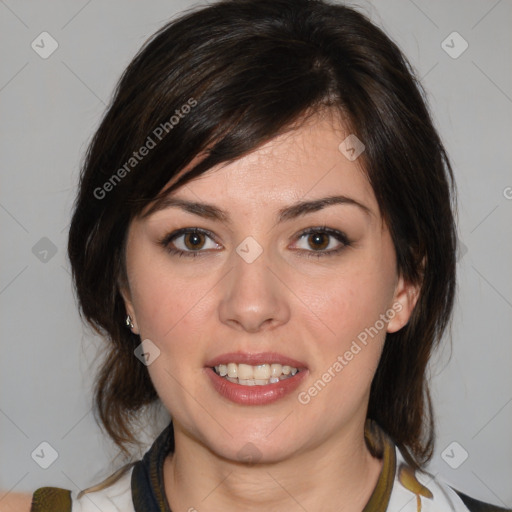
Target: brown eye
[[190, 242], [318, 241], [194, 241], [321, 241]]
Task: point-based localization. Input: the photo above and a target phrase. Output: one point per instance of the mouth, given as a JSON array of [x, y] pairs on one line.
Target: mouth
[[258, 375], [255, 379]]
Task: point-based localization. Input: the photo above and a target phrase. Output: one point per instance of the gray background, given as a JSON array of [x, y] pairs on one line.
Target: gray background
[[49, 110]]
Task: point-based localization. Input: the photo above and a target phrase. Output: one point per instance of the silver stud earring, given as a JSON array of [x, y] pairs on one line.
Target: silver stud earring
[[129, 322]]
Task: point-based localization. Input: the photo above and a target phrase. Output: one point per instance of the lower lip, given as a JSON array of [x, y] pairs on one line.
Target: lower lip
[[255, 395]]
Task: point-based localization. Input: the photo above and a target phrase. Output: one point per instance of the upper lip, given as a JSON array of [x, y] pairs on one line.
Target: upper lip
[[254, 359]]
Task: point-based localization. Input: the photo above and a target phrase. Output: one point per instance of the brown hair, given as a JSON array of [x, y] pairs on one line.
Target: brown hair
[[247, 70]]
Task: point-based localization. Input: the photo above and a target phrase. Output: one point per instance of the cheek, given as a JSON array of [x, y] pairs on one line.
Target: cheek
[[171, 312], [347, 304], [346, 317], [343, 316], [346, 346], [164, 300]]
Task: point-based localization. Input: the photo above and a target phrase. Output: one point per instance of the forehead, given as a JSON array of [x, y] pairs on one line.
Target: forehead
[[302, 164]]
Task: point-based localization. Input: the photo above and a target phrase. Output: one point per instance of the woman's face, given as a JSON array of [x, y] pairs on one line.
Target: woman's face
[[251, 263]]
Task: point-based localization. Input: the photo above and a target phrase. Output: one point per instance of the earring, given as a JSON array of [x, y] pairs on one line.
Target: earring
[[129, 322]]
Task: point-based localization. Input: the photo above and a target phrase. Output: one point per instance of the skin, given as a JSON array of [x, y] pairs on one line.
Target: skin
[[312, 456], [15, 502]]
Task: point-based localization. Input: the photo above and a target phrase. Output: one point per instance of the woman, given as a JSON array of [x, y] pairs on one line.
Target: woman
[[264, 234]]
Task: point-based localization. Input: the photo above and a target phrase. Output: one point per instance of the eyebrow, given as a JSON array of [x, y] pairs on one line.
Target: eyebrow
[[293, 211]]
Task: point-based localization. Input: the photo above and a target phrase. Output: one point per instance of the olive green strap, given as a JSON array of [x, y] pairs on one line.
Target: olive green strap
[[380, 446], [51, 499]]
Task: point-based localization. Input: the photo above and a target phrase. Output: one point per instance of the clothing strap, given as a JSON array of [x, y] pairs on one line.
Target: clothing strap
[[51, 499], [148, 490], [381, 446]]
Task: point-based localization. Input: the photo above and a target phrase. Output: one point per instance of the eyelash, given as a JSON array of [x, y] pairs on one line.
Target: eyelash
[[338, 235]]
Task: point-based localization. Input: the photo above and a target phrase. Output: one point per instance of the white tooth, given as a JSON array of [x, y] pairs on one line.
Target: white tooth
[[247, 382], [245, 371], [232, 370], [275, 370], [262, 371], [261, 374]]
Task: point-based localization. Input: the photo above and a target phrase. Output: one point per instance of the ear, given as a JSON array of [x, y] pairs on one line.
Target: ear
[[404, 299], [124, 290]]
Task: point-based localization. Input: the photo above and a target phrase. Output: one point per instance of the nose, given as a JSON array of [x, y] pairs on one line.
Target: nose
[[253, 298]]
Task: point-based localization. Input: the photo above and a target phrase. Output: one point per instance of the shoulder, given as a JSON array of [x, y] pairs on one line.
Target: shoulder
[[15, 502], [114, 498], [419, 490]]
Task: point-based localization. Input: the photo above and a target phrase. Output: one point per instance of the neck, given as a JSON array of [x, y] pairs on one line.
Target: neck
[[340, 473]]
